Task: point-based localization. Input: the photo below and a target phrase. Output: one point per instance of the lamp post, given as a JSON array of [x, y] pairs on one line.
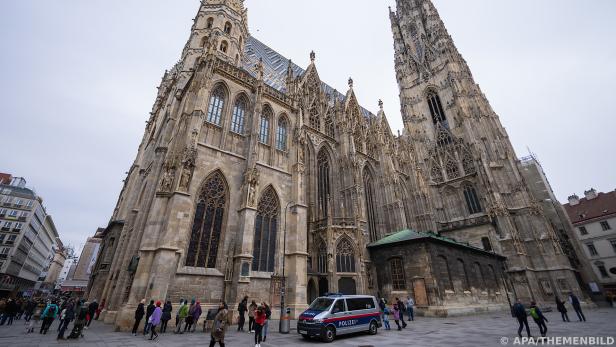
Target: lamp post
[[283, 326]]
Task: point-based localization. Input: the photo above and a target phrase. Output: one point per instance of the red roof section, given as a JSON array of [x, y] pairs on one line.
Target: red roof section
[[5, 178], [602, 206]]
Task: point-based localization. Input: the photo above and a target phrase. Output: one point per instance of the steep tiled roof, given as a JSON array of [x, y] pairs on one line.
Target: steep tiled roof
[[602, 206], [407, 235], [275, 69]]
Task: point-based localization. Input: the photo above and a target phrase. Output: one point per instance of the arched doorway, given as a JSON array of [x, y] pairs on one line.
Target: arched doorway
[[346, 285], [312, 291], [323, 286]]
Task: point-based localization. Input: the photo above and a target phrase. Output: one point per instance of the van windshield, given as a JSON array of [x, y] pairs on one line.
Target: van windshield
[[321, 304]]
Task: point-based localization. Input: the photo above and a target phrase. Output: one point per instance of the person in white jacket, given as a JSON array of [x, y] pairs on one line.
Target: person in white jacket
[[410, 304]]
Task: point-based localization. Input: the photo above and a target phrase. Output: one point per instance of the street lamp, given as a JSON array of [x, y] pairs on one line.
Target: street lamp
[[283, 326]]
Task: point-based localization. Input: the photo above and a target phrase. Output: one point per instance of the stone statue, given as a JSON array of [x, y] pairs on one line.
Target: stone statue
[[251, 180]]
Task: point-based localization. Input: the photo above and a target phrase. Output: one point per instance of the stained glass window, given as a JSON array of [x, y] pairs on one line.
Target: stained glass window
[[264, 125], [345, 257], [266, 227], [239, 113], [472, 201], [217, 103], [281, 134], [436, 110], [323, 177], [208, 223]]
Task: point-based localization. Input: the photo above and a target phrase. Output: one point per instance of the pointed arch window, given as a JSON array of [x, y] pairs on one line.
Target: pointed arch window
[[444, 275], [210, 23], [281, 134], [345, 256], [239, 114], [208, 223], [358, 140], [462, 270], [479, 275], [224, 46], [228, 27], [370, 205], [323, 177], [217, 103], [264, 124], [315, 121], [398, 281], [436, 110], [321, 256], [451, 203], [472, 201], [329, 126], [266, 228]]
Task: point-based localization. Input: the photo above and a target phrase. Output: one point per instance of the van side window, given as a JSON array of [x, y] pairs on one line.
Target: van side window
[[356, 304], [338, 306]]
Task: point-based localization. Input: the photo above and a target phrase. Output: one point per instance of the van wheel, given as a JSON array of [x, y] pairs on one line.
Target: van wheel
[[330, 334], [373, 328], [306, 336]]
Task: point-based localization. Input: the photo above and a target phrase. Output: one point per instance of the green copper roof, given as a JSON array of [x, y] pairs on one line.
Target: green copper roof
[[408, 235]]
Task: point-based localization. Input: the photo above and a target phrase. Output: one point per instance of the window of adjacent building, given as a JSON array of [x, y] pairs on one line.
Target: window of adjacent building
[[30, 203], [281, 134], [208, 223], [345, 256], [11, 239], [479, 275], [397, 274], [2, 236], [605, 225], [5, 250], [217, 103], [264, 125], [591, 249], [583, 231], [266, 230], [472, 201], [24, 214], [613, 243], [13, 213], [462, 270], [603, 271], [7, 224], [3, 211], [18, 226], [239, 114]]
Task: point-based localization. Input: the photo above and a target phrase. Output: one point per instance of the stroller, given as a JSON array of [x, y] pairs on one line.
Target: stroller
[[80, 322]]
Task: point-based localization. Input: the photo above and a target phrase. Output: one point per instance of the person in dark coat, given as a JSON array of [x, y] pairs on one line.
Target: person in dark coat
[[67, 316], [539, 318], [81, 314], [92, 311], [11, 311], [139, 313], [166, 316], [30, 306], [402, 309], [148, 312], [575, 302], [519, 312], [242, 307], [560, 307]]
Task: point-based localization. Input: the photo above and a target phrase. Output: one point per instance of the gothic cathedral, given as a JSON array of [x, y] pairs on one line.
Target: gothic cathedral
[[254, 176]]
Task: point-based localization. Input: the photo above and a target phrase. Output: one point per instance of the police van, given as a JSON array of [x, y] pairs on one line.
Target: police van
[[337, 314]]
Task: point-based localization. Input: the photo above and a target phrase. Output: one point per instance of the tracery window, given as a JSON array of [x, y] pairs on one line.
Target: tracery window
[[208, 223], [397, 274], [264, 125], [451, 169], [370, 205], [436, 110], [472, 201], [281, 134], [358, 139], [345, 257], [321, 256], [315, 121], [329, 127], [468, 164], [323, 183], [436, 173], [239, 114], [266, 227], [217, 103]]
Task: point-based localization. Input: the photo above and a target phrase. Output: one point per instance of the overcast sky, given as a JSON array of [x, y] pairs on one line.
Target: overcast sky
[[78, 79]]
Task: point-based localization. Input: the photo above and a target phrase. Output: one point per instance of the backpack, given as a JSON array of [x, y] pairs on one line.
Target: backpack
[[51, 311], [533, 313]]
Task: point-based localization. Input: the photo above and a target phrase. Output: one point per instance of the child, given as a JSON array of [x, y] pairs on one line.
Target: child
[[397, 316], [386, 318], [539, 318]]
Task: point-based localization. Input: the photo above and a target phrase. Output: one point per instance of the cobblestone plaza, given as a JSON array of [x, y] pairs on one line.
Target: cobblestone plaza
[[482, 330]]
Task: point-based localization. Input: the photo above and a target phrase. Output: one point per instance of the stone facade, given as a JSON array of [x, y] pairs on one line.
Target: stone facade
[[253, 174]]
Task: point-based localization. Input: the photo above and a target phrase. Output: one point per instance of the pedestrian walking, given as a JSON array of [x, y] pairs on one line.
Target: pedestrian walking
[[268, 314], [402, 309], [36, 317], [519, 312], [11, 311], [539, 318], [148, 312], [177, 315], [219, 326], [81, 314], [3, 316], [139, 313], [67, 316], [155, 320], [259, 321], [251, 316], [166, 317], [242, 307], [196, 314], [92, 308], [397, 316], [50, 313], [386, 318], [410, 304], [189, 319], [182, 314], [30, 306], [560, 307], [575, 303]]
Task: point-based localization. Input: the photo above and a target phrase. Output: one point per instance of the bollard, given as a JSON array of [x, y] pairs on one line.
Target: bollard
[[285, 323]]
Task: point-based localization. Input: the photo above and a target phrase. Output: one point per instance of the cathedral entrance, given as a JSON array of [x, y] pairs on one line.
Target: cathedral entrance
[[323, 286], [346, 286], [312, 291]]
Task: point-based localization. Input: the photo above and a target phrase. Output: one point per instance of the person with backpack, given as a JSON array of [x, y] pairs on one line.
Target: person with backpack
[[539, 318], [166, 317], [402, 309], [139, 313], [560, 306], [50, 313], [575, 302], [242, 307], [386, 318], [268, 314], [519, 312]]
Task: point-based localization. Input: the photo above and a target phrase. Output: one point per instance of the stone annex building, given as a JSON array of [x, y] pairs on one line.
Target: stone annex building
[[248, 157]]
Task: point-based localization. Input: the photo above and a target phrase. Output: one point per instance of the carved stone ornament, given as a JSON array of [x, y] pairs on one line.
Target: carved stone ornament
[[251, 181], [188, 166], [166, 181]]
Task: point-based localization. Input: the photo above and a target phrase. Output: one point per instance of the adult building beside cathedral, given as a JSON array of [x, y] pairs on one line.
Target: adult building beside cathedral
[[253, 175]]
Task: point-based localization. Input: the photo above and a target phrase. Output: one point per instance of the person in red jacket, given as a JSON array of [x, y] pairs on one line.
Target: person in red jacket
[[260, 319]]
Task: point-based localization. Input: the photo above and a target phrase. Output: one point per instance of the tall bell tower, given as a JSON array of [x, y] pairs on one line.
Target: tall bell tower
[[464, 153]]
